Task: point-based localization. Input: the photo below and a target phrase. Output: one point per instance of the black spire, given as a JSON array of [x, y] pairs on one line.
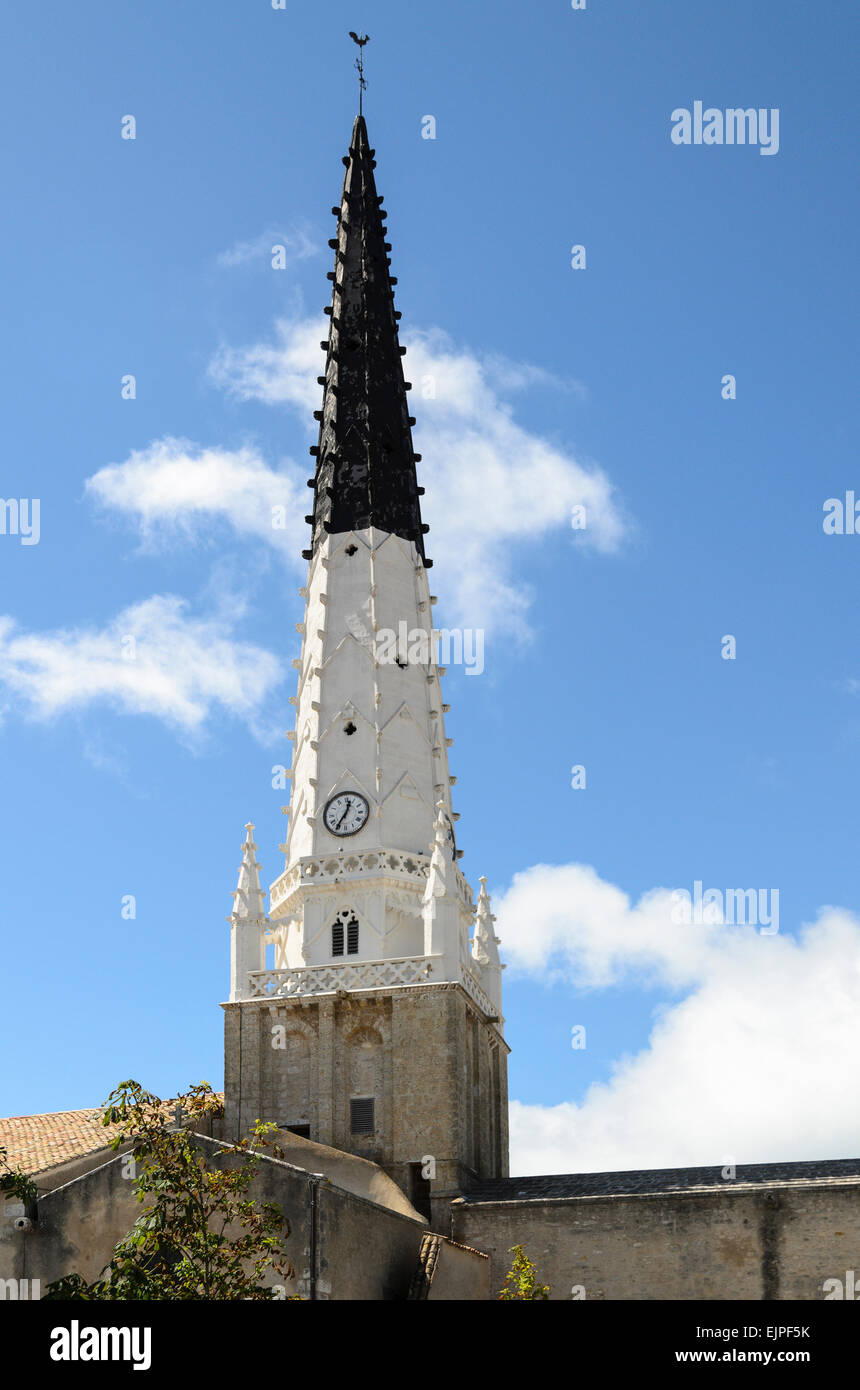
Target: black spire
[[365, 461]]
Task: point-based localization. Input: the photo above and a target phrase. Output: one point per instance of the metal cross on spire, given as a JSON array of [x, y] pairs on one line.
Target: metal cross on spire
[[361, 40]]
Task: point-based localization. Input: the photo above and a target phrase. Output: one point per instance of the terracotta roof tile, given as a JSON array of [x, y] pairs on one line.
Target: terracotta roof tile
[[38, 1142]]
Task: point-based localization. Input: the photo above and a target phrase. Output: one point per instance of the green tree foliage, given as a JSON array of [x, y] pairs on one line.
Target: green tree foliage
[[15, 1183], [199, 1235], [521, 1278]]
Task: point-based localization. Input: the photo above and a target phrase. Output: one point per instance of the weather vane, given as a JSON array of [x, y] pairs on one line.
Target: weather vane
[[361, 40]]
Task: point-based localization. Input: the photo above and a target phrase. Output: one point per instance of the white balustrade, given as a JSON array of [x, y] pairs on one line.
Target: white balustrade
[[327, 979]]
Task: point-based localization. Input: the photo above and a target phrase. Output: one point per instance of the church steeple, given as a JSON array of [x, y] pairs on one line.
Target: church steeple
[[393, 1045], [365, 460]]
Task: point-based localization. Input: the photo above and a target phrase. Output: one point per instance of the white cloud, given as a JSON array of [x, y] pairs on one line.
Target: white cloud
[[758, 1062], [564, 921], [490, 482], [281, 373], [152, 658], [506, 375], [297, 243], [174, 483]]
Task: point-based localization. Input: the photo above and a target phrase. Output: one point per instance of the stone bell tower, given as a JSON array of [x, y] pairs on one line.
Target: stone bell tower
[[377, 1026]]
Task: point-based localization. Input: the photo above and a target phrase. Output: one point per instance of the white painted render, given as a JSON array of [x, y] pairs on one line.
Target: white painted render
[[367, 725]]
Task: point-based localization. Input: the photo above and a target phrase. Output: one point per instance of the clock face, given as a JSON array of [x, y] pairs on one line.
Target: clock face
[[346, 813]]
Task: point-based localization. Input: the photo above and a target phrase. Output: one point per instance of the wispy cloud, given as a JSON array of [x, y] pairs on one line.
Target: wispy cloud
[[153, 658], [506, 376], [490, 481], [283, 372], [100, 756], [173, 484], [297, 243], [753, 1062]]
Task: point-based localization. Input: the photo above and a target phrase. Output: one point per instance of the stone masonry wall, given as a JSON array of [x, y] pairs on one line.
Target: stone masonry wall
[[341, 1245], [775, 1243], [436, 1070]]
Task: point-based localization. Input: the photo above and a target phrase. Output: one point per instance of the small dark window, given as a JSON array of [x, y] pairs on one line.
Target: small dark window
[[361, 1119], [349, 728], [351, 938], [337, 939], [303, 1131], [350, 550]]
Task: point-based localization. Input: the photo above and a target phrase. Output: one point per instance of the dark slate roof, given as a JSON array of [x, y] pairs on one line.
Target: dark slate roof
[[365, 472], [656, 1181]]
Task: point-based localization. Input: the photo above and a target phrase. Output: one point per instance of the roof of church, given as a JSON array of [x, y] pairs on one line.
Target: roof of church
[[35, 1143], [365, 472], [657, 1181]]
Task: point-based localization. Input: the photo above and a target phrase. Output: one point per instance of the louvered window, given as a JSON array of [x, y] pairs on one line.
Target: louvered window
[[361, 1118], [344, 934]]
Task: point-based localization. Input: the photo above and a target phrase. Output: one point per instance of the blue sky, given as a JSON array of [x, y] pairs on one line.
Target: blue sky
[[152, 257]]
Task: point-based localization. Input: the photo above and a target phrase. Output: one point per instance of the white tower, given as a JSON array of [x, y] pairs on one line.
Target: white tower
[[395, 1046]]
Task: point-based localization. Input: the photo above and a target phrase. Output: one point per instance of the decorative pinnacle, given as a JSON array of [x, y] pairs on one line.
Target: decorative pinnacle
[[484, 900], [485, 943], [248, 894]]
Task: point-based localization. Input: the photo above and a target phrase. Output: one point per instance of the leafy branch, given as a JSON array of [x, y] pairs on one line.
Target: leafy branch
[[200, 1235], [521, 1279]]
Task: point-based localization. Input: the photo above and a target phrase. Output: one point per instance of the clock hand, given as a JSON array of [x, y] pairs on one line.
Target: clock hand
[[344, 816]]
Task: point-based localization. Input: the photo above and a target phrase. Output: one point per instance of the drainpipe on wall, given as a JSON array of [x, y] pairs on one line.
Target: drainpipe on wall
[[239, 1102], [314, 1180], [769, 1234]]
